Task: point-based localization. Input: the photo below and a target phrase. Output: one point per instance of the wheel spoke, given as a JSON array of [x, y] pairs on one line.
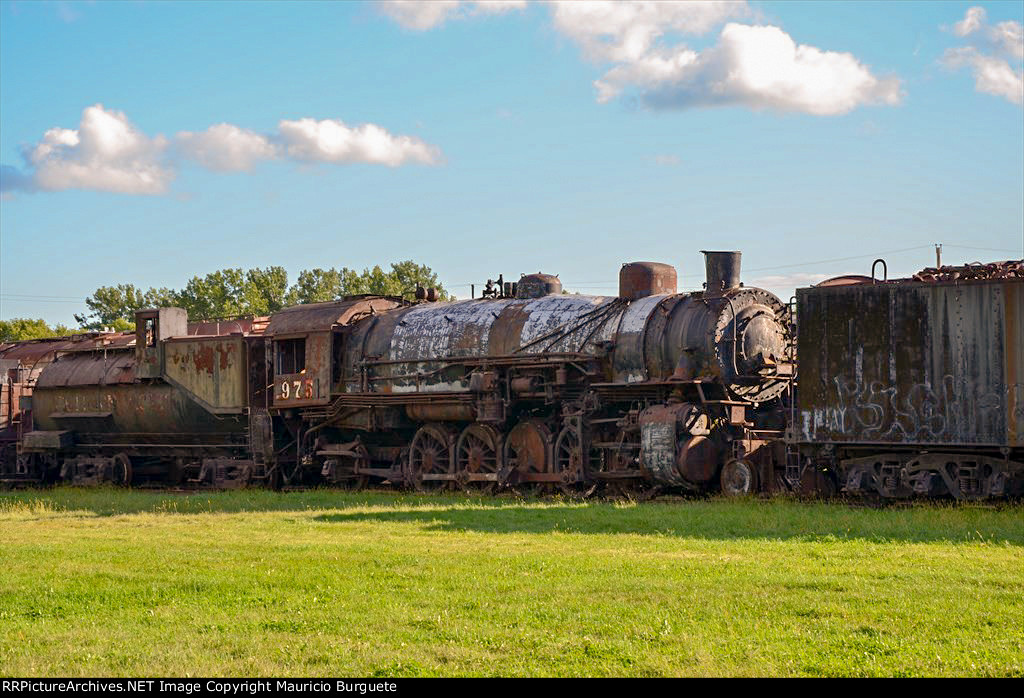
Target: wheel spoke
[[477, 454], [569, 460], [429, 455]]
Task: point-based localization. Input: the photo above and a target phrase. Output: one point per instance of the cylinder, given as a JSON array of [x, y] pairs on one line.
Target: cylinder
[[723, 271]]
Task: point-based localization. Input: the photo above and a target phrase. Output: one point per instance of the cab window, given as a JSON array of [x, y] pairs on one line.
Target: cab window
[[291, 356]]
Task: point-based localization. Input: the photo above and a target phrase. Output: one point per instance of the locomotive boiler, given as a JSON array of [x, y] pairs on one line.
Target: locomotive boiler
[[536, 389]]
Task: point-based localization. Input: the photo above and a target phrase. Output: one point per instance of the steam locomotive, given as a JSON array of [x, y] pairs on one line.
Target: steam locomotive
[[532, 389]]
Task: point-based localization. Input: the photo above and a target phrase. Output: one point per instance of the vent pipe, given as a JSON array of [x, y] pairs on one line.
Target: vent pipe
[[723, 271]]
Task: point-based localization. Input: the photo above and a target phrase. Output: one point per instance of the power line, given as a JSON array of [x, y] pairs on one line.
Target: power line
[[839, 259], [985, 249], [37, 300]]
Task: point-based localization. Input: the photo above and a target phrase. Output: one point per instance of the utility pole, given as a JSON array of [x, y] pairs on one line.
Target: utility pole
[[938, 255]]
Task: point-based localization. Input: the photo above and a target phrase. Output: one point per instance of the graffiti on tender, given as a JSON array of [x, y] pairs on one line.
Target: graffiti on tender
[[875, 411]]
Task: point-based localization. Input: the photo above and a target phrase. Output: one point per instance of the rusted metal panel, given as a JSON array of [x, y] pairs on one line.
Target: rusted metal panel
[[96, 391], [629, 340], [312, 384], [641, 279], [34, 352], [415, 344], [211, 369], [658, 447], [30, 352], [470, 328], [88, 369], [538, 285], [324, 316], [1013, 300], [566, 323], [433, 330], [156, 410], [910, 363], [441, 412], [152, 326], [48, 440], [674, 446]]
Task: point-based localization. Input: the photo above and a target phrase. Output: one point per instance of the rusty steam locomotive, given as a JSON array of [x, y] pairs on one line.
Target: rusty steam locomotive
[[532, 389]]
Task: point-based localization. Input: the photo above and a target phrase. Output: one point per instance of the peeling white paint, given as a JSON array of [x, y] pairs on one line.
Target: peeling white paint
[[635, 318]]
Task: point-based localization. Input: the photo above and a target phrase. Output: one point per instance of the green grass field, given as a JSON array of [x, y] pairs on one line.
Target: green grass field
[[329, 583]]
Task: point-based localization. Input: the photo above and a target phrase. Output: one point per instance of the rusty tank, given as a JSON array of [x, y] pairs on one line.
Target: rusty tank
[[913, 387], [734, 336], [164, 404]]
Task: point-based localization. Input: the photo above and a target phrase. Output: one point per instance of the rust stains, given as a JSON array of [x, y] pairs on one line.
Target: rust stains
[[202, 358]]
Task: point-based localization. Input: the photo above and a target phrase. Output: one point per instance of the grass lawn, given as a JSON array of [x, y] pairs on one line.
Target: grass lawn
[[331, 583]]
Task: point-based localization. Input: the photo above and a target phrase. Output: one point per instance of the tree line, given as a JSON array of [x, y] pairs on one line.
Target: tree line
[[232, 292]]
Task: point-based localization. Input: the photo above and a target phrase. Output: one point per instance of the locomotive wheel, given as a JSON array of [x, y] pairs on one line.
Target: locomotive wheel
[[568, 461], [478, 452], [120, 470], [430, 454], [357, 481], [739, 478], [526, 452]]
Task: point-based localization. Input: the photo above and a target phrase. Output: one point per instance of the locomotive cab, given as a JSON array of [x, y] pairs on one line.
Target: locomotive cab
[[307, 343]]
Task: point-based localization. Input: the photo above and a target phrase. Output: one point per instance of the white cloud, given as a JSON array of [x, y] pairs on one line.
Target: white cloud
[[760, 67], [667, 160], [990, 55], [992, 75], [971, 22], [626, 31], [1008, 39], [226, 147], [332, 141], [105, 153], [428, 14], [108, 153]]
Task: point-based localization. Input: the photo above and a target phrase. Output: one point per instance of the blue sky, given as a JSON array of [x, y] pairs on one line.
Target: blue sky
[[493, 148]]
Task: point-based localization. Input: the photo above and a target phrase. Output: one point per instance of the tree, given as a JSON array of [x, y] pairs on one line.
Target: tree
[[315, 286], [218, 294], [20, 328], [236, 291], [109, 304], [265, 290], [230, 292], [161, 298], [408, 275], [319, 285]]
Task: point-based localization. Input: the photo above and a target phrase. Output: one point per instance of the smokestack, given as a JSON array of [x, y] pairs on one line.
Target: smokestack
[[723, 271]]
